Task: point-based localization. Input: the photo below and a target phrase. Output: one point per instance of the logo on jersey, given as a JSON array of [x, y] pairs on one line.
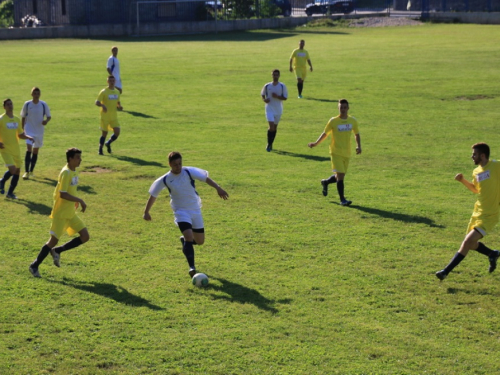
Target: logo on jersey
[[301, 54], [74, 181], [344, 127], [483, 176], [112, 97]]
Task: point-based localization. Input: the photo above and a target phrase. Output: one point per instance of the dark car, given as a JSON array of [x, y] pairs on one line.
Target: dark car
[[330, 6]]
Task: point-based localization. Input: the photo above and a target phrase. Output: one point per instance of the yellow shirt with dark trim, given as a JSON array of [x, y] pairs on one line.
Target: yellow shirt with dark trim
[[340, 130], [109, 98], [299, 58], [10, 128], [487, 182], [67, 182]]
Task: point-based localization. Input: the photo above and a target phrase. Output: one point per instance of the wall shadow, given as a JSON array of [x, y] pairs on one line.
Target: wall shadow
[[303, 156], [138, 161], [241, 294], [111, 291], [397, 216]]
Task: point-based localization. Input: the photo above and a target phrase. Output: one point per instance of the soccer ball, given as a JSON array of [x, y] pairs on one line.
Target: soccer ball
[[200, 279]]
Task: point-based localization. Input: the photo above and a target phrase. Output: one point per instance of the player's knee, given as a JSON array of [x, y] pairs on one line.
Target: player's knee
[[84, 236]]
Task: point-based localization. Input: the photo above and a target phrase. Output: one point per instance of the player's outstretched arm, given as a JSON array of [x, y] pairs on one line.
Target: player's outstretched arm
[[79, 202], [318, 141], [149, 204], [222, 193], [469, 185], [358, 143]]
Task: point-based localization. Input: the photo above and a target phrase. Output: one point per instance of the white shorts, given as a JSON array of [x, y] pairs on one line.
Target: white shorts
[[189, 216], [270, 116], [38, 141]]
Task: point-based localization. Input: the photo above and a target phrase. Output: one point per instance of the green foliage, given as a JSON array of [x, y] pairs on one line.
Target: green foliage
[[7, 13], [298, 284], [268, 9], [241, 8]]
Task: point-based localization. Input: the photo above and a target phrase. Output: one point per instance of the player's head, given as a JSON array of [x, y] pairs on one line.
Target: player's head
[[276, 74], [343, 106], [302, 43], [480, 151], [35, 92], [114, 50], [175, 162], [8, 105], [72, 152], [111, 80]]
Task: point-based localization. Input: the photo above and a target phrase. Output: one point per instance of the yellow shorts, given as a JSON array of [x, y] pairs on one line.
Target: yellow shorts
[[109, 125], [10, 159], [339, 163], [71, 226], [301, 72], [483, 224]]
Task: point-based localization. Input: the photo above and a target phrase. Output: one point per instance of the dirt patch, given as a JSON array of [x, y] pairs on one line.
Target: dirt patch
[[383, 22], [96, 169]]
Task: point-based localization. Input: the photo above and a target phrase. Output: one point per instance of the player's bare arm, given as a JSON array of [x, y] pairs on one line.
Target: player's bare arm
[[46, 121], [151, 201], [358, 143], [222, 193], [310, 64], [265, 100], [99, 104], [469, 185], [67, 196], [280, 97], [318, 141], [24, 136]]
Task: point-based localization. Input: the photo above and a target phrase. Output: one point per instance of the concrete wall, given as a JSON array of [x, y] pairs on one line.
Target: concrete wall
[[92, 31], [492, 18]]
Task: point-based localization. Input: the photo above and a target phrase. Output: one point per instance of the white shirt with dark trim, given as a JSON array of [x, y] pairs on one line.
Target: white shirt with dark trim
[[34, 114], [114, 66], [275, 105], [182, 193]]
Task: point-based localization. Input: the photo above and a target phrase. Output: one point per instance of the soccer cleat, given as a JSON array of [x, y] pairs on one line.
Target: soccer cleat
[[345, 202], [493, 260], [100, 152], [56, 257], [108, 147], [299, 97], [34, 272], [26, 176], [119, 107], [32, 175], [441, 275], [11, 196], [324, 183], [2, 186], [192, 272], [181, 238], [269, 148]]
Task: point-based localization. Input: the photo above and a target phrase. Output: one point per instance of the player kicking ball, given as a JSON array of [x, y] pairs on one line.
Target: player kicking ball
[[185, 202]]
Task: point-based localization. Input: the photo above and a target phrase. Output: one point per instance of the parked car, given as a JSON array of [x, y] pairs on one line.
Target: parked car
[[330, 6]]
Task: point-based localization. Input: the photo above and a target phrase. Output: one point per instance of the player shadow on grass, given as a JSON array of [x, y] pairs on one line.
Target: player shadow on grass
[[111, 291], [34, 207], [304, 156], [241, 294], [46, 181], [397, 216], [138, 161], [139, 114], [322, 100]]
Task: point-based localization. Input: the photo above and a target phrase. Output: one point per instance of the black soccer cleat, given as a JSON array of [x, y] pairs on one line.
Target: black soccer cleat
[[441, 275], [493, 260], [324, 183], [345, 202], [108, 147], [192, 272]]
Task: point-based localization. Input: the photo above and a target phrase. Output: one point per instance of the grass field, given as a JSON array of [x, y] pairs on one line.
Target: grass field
[[298, 284]]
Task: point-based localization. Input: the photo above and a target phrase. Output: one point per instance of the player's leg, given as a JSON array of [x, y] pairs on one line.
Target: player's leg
[[74, 225], [15, 172], [114, 137], [186, 229], [471, 242], [300, 86], [33, 268], [7, 175], [27, 159], [34, 159], [104, 134]]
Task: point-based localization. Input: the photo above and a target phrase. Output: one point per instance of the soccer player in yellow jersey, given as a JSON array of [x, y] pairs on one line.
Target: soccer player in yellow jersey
[[10, 131], [298, 61], [108, 99], [340, 129], [486, 184], [64, 217]]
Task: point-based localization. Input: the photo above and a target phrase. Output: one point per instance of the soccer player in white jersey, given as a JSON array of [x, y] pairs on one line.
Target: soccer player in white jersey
[[185, 202], [273, 94], [113, 68], [35, 116], [486, 184]]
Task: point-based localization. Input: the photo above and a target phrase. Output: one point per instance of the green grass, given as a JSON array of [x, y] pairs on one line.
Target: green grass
[[298, 284]]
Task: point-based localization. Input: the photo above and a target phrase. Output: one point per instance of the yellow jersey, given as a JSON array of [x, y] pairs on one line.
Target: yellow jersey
[[10, 128], [109, 98], [487, 182], [340, 131], [67, 182], [299, 58]]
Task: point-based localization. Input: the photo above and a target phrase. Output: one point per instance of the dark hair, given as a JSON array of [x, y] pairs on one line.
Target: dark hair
[[483, 148], [5, 101], [343, 101], [277, 70], [71, 152], [111, 76], [174, 155]]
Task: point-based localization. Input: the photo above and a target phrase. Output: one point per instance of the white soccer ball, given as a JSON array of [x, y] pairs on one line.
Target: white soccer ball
[[200, 279]]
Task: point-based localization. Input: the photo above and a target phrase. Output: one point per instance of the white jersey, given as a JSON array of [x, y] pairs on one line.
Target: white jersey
[[34, 115], [275, 105], [181, 186], [114, 66]]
